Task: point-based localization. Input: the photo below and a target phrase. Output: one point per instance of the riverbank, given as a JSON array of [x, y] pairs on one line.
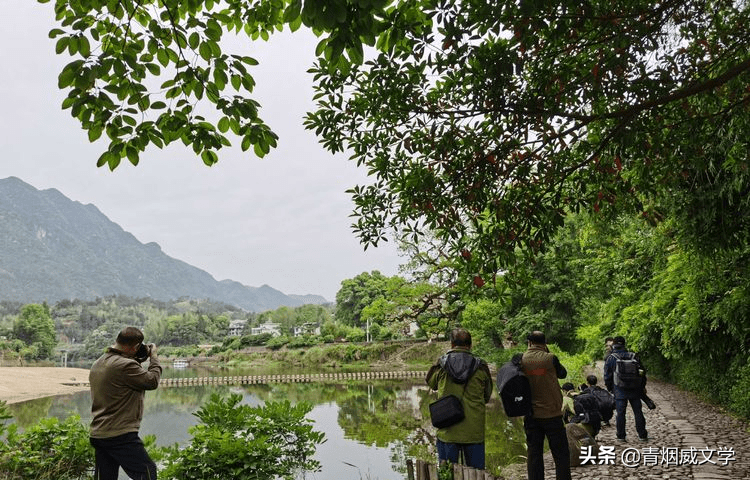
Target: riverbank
[[19, 384], [377, 356]]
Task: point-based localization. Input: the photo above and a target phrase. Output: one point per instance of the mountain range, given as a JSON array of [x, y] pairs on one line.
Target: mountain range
[[53, 248]]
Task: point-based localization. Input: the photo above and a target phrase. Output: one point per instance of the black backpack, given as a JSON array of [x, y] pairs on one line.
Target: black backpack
[[606, 401], [587, 405], [627, 371], [514, 389]]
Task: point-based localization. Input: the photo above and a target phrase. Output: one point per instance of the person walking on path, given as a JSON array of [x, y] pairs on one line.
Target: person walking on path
[[622, 375], [118, 387], [543, 369], [466, 376]]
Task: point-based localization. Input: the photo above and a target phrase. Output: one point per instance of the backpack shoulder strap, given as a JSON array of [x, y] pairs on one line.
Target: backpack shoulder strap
[[624, 355]]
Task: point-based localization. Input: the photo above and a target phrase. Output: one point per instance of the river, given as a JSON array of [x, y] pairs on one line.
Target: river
[[371, 427]]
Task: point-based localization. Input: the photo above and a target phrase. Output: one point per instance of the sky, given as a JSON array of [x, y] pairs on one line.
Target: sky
[[282, 220]]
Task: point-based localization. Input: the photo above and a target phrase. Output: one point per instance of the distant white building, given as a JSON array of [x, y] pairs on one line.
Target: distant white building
[[306, 328], [180, 363], [236, 327], [268, 327]]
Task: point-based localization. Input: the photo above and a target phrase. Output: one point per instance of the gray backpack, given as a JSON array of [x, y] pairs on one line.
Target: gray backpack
[[627, 371]]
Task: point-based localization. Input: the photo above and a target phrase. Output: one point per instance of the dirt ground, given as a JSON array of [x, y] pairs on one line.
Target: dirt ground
[[18, 384]]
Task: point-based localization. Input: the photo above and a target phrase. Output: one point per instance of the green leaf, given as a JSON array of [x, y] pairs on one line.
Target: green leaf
[[194, 40], [209, 157], [153, 68], [61, 45], [73, 45], [132, 154], [292, 11], [223, 125], [205, 51], [95, 133], [162, 56], [103, 159], [83, 46]]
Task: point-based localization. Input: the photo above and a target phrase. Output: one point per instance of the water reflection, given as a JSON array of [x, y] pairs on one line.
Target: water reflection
[[371, 427]]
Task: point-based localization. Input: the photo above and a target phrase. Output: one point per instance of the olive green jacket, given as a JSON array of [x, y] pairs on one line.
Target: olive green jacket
[[473, 398], [118, 387]]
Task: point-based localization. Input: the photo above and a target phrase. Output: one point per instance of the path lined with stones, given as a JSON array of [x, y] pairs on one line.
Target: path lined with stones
[[720, 443]]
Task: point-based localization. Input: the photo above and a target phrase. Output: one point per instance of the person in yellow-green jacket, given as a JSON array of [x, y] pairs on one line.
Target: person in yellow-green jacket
[[466, 376]]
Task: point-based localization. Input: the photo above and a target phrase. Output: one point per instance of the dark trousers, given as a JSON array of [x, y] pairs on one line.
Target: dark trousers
[[554, 430], [472, 453], [640, 420], [126, 451]]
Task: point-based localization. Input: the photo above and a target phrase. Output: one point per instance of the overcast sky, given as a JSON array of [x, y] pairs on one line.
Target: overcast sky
[[281, 221]]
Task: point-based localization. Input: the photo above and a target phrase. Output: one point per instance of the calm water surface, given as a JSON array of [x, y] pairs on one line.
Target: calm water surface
[[371, 427]]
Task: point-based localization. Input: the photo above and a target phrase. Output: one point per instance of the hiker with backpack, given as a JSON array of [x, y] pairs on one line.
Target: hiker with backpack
[[623, 375], [586, 407], [568, 406], [605, 399]]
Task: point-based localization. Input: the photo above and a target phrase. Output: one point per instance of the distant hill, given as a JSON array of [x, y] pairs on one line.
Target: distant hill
[[53, 248], [310, 299]]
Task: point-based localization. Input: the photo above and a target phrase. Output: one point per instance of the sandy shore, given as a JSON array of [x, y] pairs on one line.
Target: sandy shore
[[18, 384]]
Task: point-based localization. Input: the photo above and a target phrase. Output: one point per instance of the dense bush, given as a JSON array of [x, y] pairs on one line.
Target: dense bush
[[255, 340], [303, 341], [49, 450], [277, 342], [239, 441]]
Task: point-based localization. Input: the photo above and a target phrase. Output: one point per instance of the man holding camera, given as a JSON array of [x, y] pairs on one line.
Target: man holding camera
[[118, 387]]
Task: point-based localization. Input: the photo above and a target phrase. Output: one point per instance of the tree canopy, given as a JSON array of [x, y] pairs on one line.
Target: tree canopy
[[35, 327], [482, 123]]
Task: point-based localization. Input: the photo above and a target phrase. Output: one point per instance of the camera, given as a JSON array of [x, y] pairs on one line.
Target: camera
[[143, 353]]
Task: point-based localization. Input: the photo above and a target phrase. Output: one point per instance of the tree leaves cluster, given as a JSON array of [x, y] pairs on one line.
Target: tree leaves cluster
[[502, 118], [142, 67], [35, 328], [482, 124]]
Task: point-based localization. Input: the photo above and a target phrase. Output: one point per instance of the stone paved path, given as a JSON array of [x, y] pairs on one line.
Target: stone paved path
[[688, 439]]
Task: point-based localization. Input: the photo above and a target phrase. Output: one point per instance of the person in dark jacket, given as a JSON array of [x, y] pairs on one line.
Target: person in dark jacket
[[543, 369], [466, 376], [118, 386], [605, 399], [624, 395], [586, 408]]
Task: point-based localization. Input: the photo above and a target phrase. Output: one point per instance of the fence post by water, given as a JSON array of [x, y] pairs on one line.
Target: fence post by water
[[281, 378], [429, 471]]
